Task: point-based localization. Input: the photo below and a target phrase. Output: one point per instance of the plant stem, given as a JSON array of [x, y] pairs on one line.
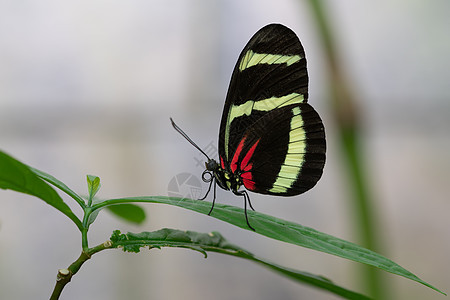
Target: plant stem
[[84, 240], [65, 275], [85, 228]]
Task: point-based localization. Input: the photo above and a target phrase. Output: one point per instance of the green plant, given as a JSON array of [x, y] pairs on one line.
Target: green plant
[[19, 177]]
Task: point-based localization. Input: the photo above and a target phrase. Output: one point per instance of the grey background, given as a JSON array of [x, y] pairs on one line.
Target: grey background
[[87, 87]]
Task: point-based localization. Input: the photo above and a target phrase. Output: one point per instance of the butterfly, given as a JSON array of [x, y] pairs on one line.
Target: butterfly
[[271, 141]]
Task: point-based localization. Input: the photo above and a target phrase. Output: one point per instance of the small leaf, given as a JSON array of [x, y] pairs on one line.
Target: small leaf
[[92, 216], [19, 177], [129, 212], [93, 185], [215, 242]]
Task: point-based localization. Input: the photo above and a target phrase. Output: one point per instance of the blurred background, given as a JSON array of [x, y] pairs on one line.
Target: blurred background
[[88, 88]]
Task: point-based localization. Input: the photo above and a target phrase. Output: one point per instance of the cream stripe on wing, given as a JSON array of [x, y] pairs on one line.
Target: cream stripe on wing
[[292, 165], [264, 105], [268, 104], [251, 59]]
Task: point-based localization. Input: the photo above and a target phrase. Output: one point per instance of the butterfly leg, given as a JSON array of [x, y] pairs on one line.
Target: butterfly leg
[[206, 179], [211, 181], [246, 199], [209, 189], [214, 199]]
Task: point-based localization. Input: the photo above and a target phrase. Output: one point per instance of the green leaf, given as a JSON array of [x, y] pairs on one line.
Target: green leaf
[[57, 183], [93, 185], [282, 230], [91, 216], [129, 212], [19, 177], [215, 242]]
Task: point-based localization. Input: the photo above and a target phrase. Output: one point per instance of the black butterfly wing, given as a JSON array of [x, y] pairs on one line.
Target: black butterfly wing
[[272, 64], [269, 79]]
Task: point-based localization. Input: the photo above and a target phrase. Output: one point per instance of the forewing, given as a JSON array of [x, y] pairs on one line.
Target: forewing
[[269, 74]]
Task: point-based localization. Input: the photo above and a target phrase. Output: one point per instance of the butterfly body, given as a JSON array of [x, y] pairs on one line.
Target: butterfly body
[[271, 141]]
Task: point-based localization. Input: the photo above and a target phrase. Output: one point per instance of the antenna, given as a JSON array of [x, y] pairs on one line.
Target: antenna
[[175, 126]]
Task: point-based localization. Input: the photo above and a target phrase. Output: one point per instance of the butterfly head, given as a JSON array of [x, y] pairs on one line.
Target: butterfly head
[[214, 170], [226, 179]]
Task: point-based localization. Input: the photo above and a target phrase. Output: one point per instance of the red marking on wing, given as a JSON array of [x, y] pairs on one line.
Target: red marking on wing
[[222, 163], [238, 151], [248, 167], [247, 176], [248, 156], [247, 180]]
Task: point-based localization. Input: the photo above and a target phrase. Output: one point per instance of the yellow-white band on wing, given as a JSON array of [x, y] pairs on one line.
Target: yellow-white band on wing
[[251, 59], [268, 104], [291, 167]]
